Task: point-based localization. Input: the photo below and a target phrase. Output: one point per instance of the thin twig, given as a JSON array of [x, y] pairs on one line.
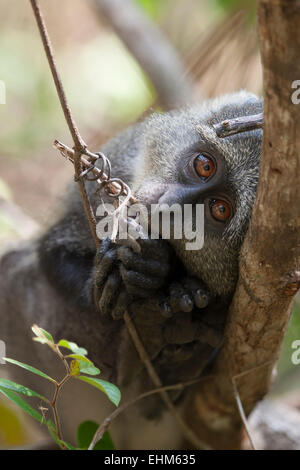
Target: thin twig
[[53, 403], [242, 413], [80, 148], [252, 369], [84, 197], [69, 153], [239, 401], [240, 124], [107, 422], [188, 432], [78, 141]]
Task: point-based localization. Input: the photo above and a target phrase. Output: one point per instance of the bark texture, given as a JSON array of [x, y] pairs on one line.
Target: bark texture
[[270, 257]]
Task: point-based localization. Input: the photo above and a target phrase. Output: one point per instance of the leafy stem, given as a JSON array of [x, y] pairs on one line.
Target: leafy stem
[[53, 403]]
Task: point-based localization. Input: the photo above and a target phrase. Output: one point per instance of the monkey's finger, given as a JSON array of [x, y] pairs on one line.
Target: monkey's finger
[[139, 284], [121, 305], [106, 245], [165, 309], [198, 291], [155, 249], [201, 298], [104, 267], [135, 262], [109, 293], [180, 300]]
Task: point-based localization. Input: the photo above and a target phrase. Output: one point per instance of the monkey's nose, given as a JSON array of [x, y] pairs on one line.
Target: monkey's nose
[[180, 194], [150, 193]]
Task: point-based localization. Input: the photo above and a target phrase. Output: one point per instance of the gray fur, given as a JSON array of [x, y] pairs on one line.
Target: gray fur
[[156, 146], [149, 152]]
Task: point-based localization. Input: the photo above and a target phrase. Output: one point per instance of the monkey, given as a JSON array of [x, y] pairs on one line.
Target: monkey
[[178, 298]]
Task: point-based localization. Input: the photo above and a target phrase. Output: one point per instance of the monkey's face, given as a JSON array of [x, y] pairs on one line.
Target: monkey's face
[[183, 161]]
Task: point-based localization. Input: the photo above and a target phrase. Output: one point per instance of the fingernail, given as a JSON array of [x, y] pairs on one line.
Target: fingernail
[[166, 309], [186, 303], [201, 299]]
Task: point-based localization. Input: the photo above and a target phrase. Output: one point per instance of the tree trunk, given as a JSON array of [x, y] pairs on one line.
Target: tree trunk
[[270, 257]]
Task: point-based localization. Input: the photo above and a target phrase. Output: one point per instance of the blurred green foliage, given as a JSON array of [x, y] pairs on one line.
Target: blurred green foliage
[[231, 6], [154, 8], [236, 4], [102, 81], [293, 333], [12, 431]]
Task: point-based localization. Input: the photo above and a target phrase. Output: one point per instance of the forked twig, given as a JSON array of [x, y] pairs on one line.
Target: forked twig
[[87, 164], [107, 422], [79, 163]]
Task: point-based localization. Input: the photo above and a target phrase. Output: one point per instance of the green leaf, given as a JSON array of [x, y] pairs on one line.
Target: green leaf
[[41, 340], [67, 445], [73, 347], [52, 432], [42, 335], [22, 404], [51, 425], [9, 385], [86, 366], [85, 434], [29, 368], [108, 388], [74, 367], [106, 443], [80, 357]]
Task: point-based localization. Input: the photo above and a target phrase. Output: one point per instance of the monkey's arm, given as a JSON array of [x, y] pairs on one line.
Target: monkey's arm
[[66, 255]]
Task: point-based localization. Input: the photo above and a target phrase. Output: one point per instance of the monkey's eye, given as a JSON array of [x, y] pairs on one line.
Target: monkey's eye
[[220, 210], [204, 166]]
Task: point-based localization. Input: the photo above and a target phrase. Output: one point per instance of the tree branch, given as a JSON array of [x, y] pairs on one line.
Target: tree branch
[[78, 141], [241, 124], [151, 49], [270, 257], [107, 422]]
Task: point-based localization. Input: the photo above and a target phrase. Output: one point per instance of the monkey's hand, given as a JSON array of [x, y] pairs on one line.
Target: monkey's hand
[[122, 275], [193, 330], [180, 346], [186, 315], [184, 296]]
